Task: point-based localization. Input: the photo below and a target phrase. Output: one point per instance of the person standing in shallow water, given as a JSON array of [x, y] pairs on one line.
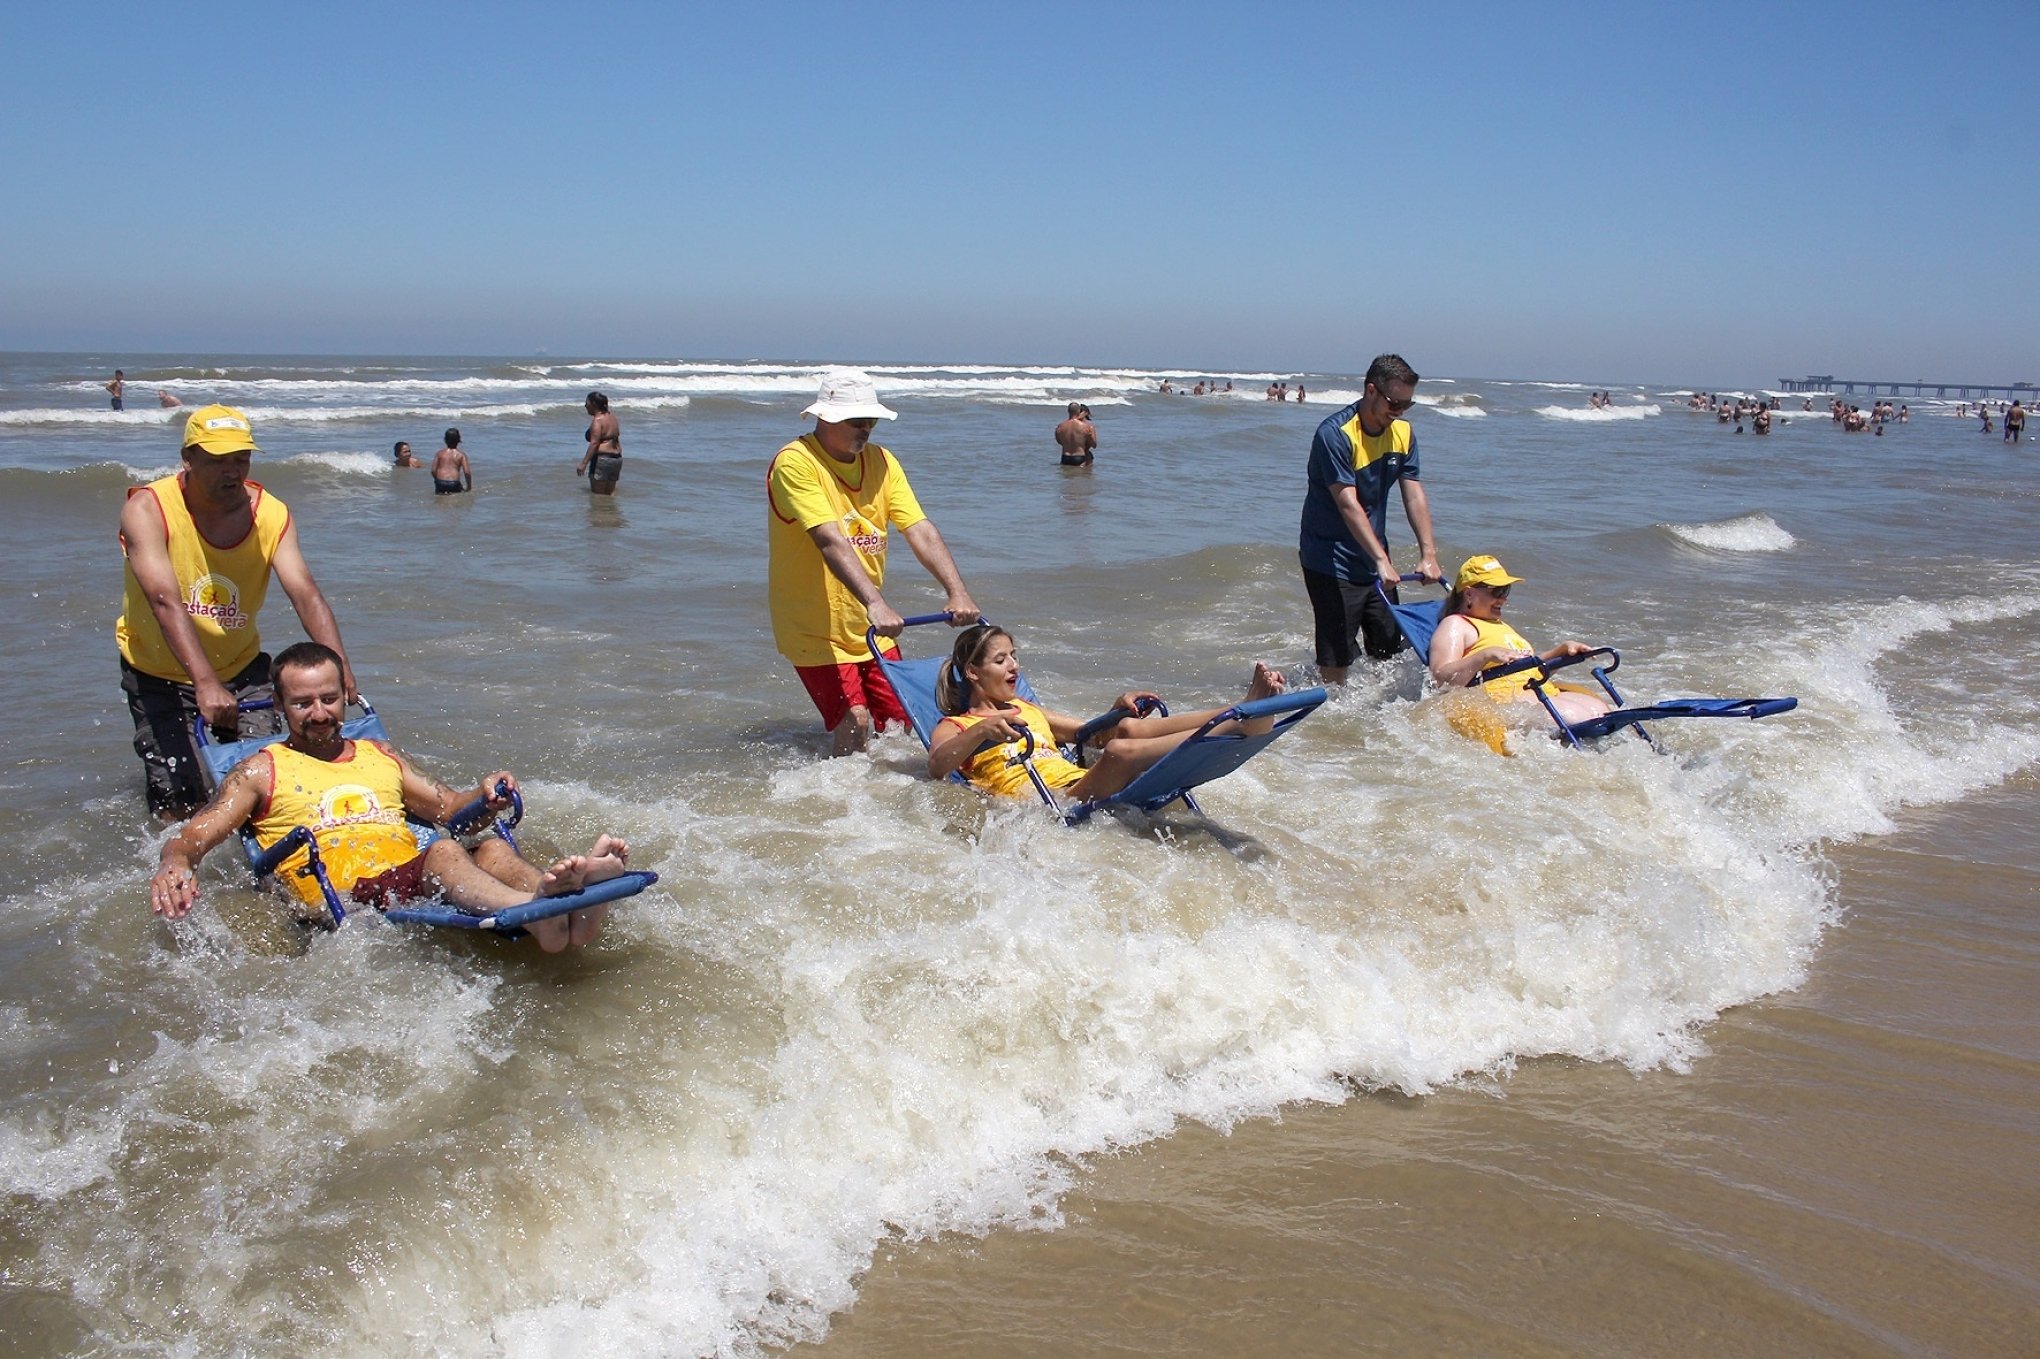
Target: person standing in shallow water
[[117, 389], [201, 547], [832, 497], [451, 474], [1358, 453], [603, 462], [1077, 437]]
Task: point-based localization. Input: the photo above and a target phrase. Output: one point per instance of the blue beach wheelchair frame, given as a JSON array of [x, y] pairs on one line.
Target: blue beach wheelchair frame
[[1419, 622], [217, 757], [1203, 756]]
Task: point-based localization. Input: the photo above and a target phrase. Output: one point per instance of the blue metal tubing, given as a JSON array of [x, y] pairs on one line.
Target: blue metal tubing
[[471, 816], [300, 838], [1082, 740]]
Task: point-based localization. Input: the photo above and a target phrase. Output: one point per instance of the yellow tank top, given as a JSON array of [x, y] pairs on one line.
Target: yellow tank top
[[353, 805], [223, 588], [991, 769], [1501, 634]]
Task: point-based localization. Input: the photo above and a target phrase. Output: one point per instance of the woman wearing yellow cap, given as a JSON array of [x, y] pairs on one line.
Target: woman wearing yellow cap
[[1471, 637]]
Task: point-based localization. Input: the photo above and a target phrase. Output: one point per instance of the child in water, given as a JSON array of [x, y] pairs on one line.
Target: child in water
[[979, 691]]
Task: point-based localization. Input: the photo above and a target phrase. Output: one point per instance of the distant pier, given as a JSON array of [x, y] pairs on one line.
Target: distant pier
[[1961, 390]]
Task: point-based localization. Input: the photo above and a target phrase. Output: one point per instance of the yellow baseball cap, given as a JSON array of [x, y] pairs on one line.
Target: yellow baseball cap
[[220, 431], [1482, 571]]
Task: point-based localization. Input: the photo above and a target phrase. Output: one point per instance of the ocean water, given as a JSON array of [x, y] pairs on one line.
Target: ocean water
[[859, 1072]]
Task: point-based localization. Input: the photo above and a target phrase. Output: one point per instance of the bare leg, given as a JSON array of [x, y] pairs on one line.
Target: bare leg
[[605, 859], [1147, 739], [853, 733], [495, 876], [1333, 674]]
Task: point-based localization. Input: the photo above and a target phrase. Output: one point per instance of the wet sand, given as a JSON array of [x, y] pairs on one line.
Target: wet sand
[[1849, 1171]]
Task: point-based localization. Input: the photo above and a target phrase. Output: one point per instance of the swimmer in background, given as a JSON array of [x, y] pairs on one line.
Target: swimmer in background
[[165, 400], [2015, 422], [979, 691], [603, 462], [451, 473], [1077, 437], [117, 389], [404, 456]]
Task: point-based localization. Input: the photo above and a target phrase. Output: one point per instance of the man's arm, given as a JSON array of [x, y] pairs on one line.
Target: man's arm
[[844, 565], [933, 553], [148, 555], [312, 610], [1347, 499], [174, 890], [1418, 507], [467, 471], [430, 800]]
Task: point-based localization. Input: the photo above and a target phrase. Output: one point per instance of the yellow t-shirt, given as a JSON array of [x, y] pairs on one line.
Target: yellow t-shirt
[[223, 588], [354, 807], [994, 769], [1501, 634], [815, 618]]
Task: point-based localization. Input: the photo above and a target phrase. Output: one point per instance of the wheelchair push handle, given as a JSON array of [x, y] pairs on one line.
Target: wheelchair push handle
[[476, 813]]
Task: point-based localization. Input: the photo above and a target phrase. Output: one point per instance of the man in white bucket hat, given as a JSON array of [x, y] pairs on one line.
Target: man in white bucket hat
[[832, 496]]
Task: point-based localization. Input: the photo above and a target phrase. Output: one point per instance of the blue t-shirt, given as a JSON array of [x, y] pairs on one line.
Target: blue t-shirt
[[1343, 453]]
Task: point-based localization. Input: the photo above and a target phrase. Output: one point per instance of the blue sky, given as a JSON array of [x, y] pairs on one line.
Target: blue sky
[[1675, 193]]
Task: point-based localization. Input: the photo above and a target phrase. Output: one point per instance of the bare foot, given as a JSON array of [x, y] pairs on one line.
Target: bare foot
[[1266, 683], [606, 858], [568, 875]]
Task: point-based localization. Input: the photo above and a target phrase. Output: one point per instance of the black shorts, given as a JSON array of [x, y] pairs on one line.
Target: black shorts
[[455, 487], [163, 714], [605, 467], [1349, 616]]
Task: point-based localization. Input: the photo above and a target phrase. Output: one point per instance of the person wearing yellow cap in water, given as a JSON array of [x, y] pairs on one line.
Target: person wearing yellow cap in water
[[200, 546], [1471, 637]]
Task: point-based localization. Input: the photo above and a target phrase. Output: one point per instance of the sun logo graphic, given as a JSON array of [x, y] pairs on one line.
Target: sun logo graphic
[[216, 598], [350, 804]]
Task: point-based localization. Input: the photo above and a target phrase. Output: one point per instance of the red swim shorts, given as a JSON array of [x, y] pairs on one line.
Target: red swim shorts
[[836, 689], [395, 886]]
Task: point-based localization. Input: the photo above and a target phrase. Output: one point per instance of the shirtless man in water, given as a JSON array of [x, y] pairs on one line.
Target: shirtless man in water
[[1077, 437], [451, 474], [603, 462], [353, 796]]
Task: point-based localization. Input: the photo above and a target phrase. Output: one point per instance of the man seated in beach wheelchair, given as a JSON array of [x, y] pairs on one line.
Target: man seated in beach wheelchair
[[988, 729], [352, 796]]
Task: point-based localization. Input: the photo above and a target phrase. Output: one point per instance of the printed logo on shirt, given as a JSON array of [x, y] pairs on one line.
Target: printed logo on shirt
[[865, 536], [350, 804], [215, 597]]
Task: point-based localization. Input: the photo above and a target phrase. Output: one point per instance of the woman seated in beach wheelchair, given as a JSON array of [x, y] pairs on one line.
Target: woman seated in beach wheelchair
[[1472, 639], [1469, 646], [990, 733]]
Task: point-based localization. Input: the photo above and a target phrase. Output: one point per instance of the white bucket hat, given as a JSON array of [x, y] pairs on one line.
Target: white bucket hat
[[848, 394]]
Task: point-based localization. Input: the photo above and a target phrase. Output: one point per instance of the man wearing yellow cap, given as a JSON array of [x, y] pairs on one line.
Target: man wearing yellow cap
[[200, 546]]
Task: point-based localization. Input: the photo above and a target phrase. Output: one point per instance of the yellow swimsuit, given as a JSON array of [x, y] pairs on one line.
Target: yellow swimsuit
[[993, 770]]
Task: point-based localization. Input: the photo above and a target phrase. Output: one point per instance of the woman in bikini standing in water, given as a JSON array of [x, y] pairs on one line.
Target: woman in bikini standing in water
[[603, 462]]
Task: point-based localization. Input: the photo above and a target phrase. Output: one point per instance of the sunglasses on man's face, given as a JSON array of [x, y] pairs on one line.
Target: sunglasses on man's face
[[1395, 407]]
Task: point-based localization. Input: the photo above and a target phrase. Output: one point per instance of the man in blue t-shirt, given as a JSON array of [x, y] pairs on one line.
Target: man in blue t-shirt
[[1356, 456]]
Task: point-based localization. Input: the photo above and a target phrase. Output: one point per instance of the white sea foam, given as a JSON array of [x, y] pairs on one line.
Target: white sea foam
[[1600, 414], [352, 463], [1753, 532]]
